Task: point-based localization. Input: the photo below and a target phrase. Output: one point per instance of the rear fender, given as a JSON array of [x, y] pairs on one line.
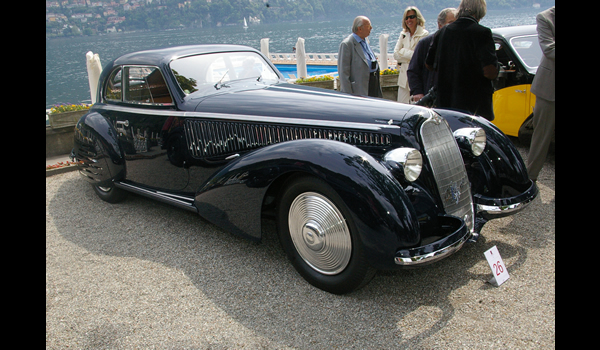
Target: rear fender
[[97, 150], [233, 197]]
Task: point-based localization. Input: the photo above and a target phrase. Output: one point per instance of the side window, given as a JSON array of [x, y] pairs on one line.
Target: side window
[[146, 85], [114, 86], [528, 48]]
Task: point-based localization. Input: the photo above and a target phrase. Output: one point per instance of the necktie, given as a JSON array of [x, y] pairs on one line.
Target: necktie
[[366, 48]]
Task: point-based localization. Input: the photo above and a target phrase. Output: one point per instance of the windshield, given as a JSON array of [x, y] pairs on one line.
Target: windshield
[[211, 72], [529, 51]]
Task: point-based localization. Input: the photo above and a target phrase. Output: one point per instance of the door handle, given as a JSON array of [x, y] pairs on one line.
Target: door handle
[[521, 91]]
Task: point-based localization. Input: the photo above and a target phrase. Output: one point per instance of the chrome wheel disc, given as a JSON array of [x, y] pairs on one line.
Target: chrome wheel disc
[[320, 233]]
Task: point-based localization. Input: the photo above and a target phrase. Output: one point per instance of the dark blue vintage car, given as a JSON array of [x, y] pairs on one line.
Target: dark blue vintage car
[[355, 184]]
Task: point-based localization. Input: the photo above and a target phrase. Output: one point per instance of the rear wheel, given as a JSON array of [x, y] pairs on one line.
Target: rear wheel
[[110, 194], [319, 236], [526, 131]]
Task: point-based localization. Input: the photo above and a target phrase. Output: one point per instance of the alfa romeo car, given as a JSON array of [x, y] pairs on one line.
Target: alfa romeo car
[[355, 184]]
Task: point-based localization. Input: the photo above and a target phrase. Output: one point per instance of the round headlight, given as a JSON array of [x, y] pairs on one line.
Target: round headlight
[[474, 137], [409, 159]]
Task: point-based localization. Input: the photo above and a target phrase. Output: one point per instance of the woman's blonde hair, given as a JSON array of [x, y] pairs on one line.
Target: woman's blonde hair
[[420, 18]]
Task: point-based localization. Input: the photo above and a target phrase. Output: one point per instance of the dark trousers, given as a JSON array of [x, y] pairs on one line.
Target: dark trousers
[[374, 87]]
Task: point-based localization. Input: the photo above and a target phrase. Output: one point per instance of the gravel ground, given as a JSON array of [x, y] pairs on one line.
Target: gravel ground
[[141, 274]]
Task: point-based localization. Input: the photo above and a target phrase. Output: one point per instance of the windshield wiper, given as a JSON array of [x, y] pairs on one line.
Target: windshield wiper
[[218, 85]]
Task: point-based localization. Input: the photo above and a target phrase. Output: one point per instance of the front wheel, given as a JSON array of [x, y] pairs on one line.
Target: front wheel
[[109, 194], [319, 236]]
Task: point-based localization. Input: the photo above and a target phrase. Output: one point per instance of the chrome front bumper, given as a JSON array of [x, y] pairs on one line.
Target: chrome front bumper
[[487, 208], [437, 250]]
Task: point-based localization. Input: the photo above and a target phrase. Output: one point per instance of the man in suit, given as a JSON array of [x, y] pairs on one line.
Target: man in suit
[[357, 65], [543, 88]]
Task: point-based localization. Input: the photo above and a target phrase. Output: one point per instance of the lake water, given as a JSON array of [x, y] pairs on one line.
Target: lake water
[[66, 73]]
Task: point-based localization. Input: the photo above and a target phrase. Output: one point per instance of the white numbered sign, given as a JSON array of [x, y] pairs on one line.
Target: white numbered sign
[[499, 271]]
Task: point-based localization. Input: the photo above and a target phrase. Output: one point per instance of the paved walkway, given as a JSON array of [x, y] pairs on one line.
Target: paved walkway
[[139, 275]]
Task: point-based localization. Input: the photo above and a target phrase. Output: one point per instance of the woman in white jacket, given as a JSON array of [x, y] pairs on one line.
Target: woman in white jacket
[[413, 30]]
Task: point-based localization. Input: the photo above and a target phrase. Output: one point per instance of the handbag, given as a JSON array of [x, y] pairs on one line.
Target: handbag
[[430, 99]]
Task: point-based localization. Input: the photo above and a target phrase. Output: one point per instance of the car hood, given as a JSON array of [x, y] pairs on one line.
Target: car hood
[[294, 101]]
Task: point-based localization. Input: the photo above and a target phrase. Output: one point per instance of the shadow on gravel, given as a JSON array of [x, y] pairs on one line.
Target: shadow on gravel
[[255, 285]]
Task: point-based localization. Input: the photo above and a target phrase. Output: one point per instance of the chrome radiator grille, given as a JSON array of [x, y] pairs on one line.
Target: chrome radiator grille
[[215, 138], [448, 168]]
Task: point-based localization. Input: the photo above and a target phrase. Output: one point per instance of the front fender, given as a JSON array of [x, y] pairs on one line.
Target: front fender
[[499, 172], [233, 197], [97, 150]]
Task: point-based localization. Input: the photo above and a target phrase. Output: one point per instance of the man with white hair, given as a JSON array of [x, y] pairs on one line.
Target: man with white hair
[[357, 64]]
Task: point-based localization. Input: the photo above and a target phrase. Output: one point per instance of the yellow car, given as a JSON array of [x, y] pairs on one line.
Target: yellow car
[[519, 53]]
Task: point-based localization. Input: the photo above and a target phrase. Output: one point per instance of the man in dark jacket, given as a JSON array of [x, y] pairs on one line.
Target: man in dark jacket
[[466, 62], [420, 79]]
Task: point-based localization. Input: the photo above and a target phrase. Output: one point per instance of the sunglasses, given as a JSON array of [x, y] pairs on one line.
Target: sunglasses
[[411, 17]]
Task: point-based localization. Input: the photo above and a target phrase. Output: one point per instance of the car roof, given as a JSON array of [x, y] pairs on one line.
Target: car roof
[[511, 32], [158, 57]]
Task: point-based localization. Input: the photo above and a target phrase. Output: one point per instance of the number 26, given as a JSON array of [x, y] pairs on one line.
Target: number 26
[[499, 269]]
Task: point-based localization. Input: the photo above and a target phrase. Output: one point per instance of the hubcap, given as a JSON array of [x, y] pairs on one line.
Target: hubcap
[[104, 189], [313, 235], [320, 233]]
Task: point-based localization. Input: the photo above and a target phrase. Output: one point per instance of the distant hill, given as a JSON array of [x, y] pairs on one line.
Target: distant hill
[[77, 17]]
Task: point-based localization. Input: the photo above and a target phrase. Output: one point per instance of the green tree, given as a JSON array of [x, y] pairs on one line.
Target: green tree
[[221, 11]]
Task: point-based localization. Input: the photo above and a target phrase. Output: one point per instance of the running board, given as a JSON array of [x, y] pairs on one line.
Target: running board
[[169, 198]]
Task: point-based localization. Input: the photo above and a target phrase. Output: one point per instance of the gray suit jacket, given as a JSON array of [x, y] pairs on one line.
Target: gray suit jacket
[[353, 67], [543, 83]]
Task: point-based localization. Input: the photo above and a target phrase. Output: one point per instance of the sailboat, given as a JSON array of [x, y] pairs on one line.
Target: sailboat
[[245, 23]]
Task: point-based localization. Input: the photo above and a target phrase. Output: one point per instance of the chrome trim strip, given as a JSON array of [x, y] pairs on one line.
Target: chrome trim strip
[[433, 256], [248, 118], [174, 196], [178, 201]]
